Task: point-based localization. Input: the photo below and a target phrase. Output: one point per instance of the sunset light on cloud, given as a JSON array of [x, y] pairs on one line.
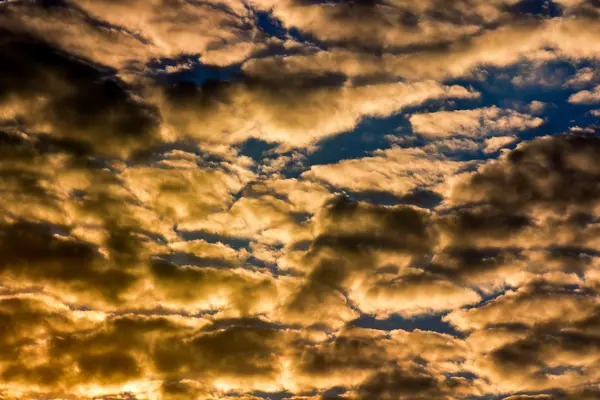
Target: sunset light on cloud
[[299, 199]]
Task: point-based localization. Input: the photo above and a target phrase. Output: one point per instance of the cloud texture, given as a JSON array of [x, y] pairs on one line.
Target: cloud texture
[[299, 199]]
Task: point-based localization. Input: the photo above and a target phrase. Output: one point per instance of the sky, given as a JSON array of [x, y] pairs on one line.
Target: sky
[[299, 199]]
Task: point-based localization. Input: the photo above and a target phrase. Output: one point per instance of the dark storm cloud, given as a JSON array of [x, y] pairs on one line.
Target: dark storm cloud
[[347, 352], [338, 253], [397, 228], [355, 241], [34, 253], [554, 172], [536, 338], [414, 382], [124, 348], [71, 98], [470, 225], [236, 352], [544, 358]]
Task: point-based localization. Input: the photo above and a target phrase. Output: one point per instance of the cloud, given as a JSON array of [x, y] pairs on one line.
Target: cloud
[[340, 254], [244, 352], [362, 258], [579, 8], [499, 47], [266, 219], [298, 114], [349, 358], [494, 144], [158, 345], [71, 99], [233, 291], [396, 170], [586, 96], [549, 172], [414, 382], [472, 123], [182, 190], [136, 33], [530, 305], [582, 77], [536, 107], [386, 25], [546, 359], [180, 218], [418, 293], [34, 253], [200, 112], [528, 39], [304, 195], [371, 268]]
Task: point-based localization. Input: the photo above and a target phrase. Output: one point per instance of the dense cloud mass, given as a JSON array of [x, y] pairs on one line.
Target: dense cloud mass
[[299, 199]]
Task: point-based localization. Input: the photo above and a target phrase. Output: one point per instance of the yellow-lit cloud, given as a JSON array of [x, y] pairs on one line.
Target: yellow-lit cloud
[[299, 199]]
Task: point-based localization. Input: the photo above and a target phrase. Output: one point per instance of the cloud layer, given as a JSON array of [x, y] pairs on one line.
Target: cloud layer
[[299, 199]]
